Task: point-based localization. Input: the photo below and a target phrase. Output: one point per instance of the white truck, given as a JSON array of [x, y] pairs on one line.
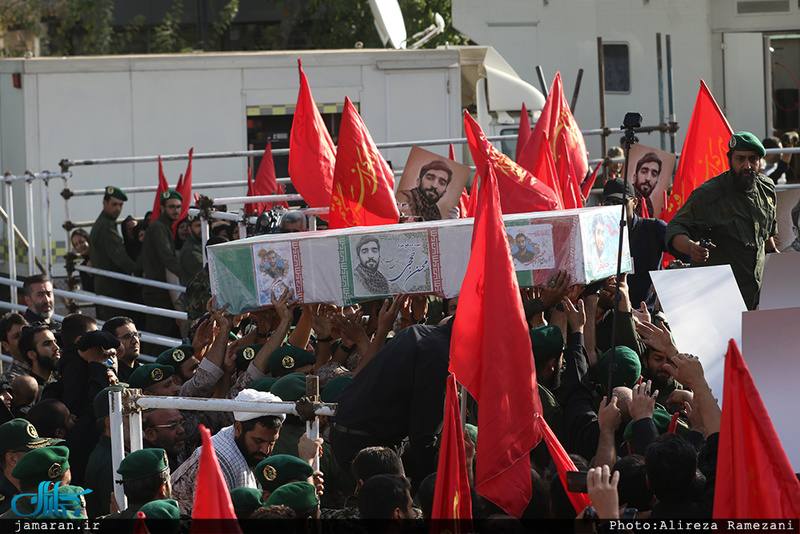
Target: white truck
[[117, 106]]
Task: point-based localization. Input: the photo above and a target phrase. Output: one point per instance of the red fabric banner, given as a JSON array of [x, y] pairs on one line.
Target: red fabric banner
[[363, 183], [519, 190], [312, 154], [754, 477], [452, 503], [162, 186], [566, 143], [497, 370], [563, 464], [212, 499], [185, 189], [704, 153]]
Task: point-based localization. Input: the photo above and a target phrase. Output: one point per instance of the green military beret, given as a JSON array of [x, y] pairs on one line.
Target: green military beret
[[290, 387], [287, 359], [334, 388], [148, 374], [101, 401], [547, 342], [170, 193], [661, 418], [246, 500], [175, 356], [116, 192], [19, 435], [192, 218], [71, 504], [746, 141], [472, 432], [263, 384], [143, 463], [246, 354], [161, 509], [46, 463], [628, 371], [279, 469], [298, 496]]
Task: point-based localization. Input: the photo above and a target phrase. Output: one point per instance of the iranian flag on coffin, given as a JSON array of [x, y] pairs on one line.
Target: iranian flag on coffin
[[355, 264]]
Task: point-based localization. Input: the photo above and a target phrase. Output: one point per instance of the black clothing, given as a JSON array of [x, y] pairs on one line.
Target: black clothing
[[399, 394]]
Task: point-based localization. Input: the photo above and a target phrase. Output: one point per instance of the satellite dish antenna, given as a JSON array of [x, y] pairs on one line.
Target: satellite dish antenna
[[389, 22]]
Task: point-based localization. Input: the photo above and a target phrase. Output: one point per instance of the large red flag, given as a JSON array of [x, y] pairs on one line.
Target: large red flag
[[312, 154], [497, 370], [520, 191], [704, 152], [563, 464], [185, 189], [363, 183], [754, 477], [162, 186], [212, 499], [566, 143], [452, 504], [524, 132]]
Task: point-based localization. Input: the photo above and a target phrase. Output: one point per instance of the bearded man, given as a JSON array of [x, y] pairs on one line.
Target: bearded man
[[736, 213]]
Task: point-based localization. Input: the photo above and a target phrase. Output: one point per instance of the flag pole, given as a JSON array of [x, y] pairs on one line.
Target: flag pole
[[632, 121]]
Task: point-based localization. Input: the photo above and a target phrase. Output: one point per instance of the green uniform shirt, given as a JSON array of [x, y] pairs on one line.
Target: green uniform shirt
[[191, 258], [99, 478], [158, 254], [107, 252], [737, 222]]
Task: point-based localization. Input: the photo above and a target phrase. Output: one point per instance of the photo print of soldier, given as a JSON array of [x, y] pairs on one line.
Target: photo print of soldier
[[430, 187], [273, 267], [390, 264], [650, 171]]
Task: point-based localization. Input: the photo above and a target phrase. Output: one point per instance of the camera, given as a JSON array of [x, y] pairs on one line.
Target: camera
[[632, 120]]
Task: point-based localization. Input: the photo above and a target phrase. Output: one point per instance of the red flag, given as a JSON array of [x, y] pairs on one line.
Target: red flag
[[643, 205], [139, 526], [283, 203], [452, 500], [363, 183], [587, 185], [463, 201], [704, 152], [524, 132], [312, 154], [754, 477], [545, 170], [520, 191], [497, 370], [162, 186], [185, 189], [212, 499], [563, 464], [266, 183], [566, 143]]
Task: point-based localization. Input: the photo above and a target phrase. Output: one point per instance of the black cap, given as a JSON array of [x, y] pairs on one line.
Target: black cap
[[615, 187], [98, 338]]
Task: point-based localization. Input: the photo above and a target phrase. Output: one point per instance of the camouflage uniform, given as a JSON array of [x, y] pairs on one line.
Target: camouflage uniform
[[737, 222], [191, 258]]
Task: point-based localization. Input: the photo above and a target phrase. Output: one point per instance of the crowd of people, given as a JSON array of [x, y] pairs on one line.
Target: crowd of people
[[649, 443]]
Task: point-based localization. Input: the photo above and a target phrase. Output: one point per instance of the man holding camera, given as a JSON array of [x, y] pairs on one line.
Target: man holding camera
[[731, 218]]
